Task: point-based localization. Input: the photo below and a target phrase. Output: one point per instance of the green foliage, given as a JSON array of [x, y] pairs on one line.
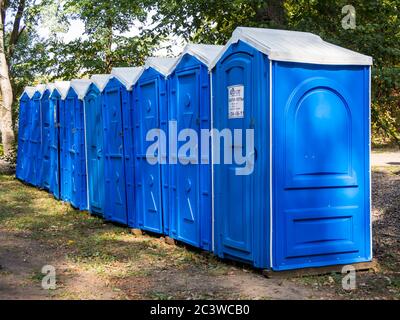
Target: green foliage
[[102, 15], [125, 32], [107, 41], [29, 61], [29, 58], [28, 65], [83, 57], [213, 21], [377, 34], [203, 20]]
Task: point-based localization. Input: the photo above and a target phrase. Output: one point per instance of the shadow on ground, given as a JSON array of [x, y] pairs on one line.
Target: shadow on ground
[[97, 260]]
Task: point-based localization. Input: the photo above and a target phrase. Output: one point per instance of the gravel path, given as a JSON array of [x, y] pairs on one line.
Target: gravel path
[[384, 159]]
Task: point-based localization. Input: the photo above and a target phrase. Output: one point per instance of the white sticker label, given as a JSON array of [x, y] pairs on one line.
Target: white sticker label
[[236, 102]]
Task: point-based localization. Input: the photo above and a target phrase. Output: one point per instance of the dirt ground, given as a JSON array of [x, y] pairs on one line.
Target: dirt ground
[[98, 260], [5, 167]]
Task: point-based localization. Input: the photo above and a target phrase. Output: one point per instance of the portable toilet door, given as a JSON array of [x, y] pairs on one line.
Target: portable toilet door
[[302, 199], [190, 178], [94, 150], [46, 118], [35, 139], [115, 198], [55, 141], [23, 133], [118, 133], [128, 77], [73, 161], [74, 103], [65, 137], [150, 97]]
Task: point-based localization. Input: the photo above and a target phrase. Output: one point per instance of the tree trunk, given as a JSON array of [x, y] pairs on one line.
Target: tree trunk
[[16, 26], [109, 55], [273, 13], [6, 128]]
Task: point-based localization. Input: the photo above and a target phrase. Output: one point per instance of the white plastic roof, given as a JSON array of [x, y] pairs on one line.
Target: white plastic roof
[[127, 76], [204, 52], [50, 87], [294, 46], [62, 87], [41, 88], [162, 64], [101, 80], [81, 87], [30, 91]]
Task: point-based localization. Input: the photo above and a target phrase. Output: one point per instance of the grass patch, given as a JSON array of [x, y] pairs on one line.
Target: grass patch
[[87, 241], [37, 276], [332, 279], [140, 264], [160, 296]]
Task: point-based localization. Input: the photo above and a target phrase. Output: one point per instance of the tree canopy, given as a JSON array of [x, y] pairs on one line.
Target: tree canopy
[[125, 32]]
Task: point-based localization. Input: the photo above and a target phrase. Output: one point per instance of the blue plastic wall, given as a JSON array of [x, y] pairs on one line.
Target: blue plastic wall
[[73, 162], [128, 114], [34, 149], [23, 137], [54, 174], [95, 150], [150, 100], [116, 198], [46, 118], [190, 184], [319, 208]]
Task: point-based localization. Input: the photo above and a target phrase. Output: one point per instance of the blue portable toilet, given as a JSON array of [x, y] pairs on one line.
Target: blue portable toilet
[[302, 199], [94, 150], [116, 88], [73, 151], [190, 179], [150, 100], [24, 124], [56, 91], [46, 118], [35, 139], [128, 77]]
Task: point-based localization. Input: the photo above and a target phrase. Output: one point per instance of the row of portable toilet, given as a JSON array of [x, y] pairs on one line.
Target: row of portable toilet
[[300, 196], [100, 140], [51, 144]]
